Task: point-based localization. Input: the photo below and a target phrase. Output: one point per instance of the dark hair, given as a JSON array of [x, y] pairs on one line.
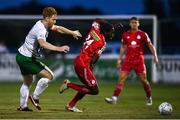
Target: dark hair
[[134, 18], [105, 26]]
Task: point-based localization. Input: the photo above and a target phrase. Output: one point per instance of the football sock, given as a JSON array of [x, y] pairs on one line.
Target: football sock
[[76, 98], [118, 89], [24, 93], [147, 89], [80, 88], [40, 87]]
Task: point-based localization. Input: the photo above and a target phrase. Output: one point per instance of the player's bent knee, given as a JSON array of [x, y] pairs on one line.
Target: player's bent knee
[[27, 83], [28, 80], [51, 74], [143, 78], [51, 77], [145, 81], [122, 80], [48, 76]]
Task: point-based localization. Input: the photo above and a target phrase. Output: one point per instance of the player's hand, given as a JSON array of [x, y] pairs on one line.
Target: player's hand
[[64, 49], [76, 34], [119, 64], [156, 61]]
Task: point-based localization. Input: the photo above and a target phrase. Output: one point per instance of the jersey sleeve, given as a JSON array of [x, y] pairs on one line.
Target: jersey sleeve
[[41, 34]]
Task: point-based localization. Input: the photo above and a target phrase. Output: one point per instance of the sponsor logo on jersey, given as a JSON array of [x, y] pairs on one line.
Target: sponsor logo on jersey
[[94, 35], [133, 43]]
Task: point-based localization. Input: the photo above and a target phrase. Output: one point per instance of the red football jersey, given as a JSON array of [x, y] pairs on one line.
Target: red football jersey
[[135, 45], [93, 46]]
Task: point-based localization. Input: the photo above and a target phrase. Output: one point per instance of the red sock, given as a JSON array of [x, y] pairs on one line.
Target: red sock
[[147, 89], [118, 89], [80, 88], [77, 97]]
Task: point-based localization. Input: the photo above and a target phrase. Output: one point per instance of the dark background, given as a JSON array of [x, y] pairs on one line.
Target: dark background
[[167, 11]]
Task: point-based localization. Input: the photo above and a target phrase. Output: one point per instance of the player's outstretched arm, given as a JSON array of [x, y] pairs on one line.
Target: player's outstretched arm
[[153, 51], [75, 33], [49, 46]]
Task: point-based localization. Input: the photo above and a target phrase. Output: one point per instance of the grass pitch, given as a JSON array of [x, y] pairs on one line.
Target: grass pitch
[[130, 105]]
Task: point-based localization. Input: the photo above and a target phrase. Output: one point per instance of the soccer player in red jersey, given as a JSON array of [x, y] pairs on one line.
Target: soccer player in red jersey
[[83, 64], [133, 43]]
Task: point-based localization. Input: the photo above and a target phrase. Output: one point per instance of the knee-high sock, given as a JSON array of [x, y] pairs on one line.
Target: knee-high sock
[[118, 89], [40, 87], [80, 88], [24, 93], [147, 89], [76, 98]]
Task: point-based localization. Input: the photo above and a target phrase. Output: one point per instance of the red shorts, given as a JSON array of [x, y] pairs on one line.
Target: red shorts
[[85, 73], [139, 68]]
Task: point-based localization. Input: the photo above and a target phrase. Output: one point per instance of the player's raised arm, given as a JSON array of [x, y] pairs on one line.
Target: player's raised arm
[[75, 33], [49, 46]]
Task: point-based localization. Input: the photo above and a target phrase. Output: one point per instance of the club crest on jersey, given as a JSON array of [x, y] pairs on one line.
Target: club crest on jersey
[[138, 37], [46, 34], [128, 37]]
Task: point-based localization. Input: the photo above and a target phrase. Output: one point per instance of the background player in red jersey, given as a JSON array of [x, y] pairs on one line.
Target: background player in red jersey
[[133, 43], [83, 64]]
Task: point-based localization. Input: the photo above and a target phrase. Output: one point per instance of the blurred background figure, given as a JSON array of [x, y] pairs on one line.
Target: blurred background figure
[[167, 12], [3, 48]]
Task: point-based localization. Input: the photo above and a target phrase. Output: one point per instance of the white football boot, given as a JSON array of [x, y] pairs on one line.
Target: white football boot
[[149, 101], [112, 100], [64, 86], [72, 109]]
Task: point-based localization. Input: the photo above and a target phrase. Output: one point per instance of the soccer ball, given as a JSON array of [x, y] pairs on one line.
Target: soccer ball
[[165, 108]]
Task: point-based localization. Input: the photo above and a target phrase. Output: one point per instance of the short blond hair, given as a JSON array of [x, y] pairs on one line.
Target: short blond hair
[[48, 12]]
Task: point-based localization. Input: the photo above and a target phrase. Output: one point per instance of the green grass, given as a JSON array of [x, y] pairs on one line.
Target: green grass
[[130, 105]]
